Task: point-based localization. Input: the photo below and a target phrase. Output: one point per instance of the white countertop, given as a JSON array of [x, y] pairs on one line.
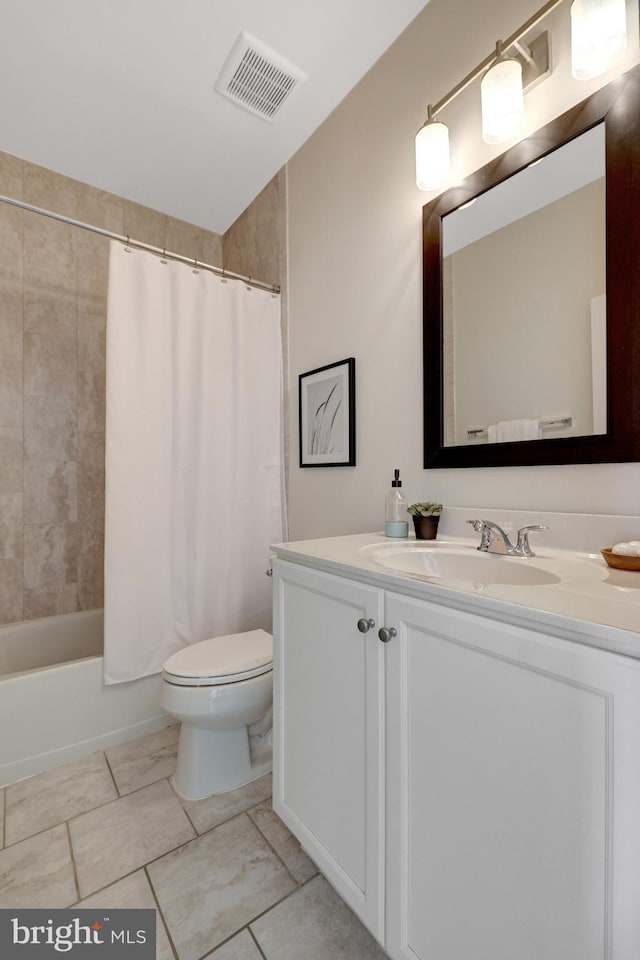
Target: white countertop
[[591, 604]]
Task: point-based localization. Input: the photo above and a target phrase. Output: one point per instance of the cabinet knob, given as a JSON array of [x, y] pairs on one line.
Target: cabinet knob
[[387, 633], [365, 625]]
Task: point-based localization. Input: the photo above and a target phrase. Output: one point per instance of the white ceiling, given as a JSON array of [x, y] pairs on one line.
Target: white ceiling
[[120, 93]]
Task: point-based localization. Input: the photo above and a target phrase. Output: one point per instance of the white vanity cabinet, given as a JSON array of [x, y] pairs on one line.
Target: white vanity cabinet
[[474, 782], [513, 792], [329, 730]]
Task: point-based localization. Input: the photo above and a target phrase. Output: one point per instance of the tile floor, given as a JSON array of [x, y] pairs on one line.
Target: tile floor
[[228, 880]]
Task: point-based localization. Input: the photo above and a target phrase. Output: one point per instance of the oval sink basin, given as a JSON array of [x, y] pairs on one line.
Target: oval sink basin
[[463, 564]]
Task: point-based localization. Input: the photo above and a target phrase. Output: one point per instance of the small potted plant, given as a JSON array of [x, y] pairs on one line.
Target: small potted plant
[[425, 519]]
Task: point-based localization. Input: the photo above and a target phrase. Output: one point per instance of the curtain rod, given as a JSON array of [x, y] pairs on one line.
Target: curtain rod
[[139, 245], [509, 42]]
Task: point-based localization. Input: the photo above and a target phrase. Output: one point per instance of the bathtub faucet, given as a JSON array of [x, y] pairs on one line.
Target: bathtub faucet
[[493, 538]]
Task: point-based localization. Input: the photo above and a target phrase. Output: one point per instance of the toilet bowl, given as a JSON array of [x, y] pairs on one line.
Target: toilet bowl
[[221, 690]]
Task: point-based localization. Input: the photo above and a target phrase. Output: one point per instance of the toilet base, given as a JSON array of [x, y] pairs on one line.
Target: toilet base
[[216, 761]]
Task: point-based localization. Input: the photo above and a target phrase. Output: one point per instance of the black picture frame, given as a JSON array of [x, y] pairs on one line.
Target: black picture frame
[[327, 415]]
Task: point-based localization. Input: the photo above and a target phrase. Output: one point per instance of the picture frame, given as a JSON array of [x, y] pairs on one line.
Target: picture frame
[[327, 415]]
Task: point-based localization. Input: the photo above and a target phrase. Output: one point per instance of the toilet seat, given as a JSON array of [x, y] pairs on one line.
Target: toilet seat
[[220, 660]]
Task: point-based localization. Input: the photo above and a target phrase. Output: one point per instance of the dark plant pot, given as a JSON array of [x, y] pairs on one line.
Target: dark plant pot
[[426, 527]]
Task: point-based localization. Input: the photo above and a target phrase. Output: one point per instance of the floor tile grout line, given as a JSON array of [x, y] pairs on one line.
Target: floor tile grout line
[[141, 866], [112, 883], [144, 867], [129, 873], [198, 836], [125, 877], [119, 796], [277, 903], [255, 940], [160, 913], [210, 954], [187, 843], [184, 809], [115, 783], [258, 916], [269, 844], [273, 906], [67, 824], [73, 860], [32, 836], [98, 806], [160, 856], [61, 823], [85, 756], [231, 816], [127, 743]]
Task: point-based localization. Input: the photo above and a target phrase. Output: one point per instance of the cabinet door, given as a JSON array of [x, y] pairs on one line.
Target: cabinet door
[[329, 730], [513, 792]]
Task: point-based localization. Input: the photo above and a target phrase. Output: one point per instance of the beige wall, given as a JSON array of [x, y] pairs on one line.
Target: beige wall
[[53, 286], [355, 272]]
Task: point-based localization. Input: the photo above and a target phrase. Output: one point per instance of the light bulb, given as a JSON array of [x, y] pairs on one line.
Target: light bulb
[[433, 159], [502, 100], [598, 36]]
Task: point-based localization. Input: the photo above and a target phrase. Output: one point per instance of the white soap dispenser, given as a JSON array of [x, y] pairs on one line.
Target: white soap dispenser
[[396, 523]]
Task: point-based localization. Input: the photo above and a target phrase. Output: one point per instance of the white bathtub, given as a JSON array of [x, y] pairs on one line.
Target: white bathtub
[[54, 705]]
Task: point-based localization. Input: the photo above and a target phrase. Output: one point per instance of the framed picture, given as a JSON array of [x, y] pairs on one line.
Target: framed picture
[[328, 415]]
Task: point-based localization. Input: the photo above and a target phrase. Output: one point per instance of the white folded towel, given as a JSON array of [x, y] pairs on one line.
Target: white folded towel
[[508, 430]]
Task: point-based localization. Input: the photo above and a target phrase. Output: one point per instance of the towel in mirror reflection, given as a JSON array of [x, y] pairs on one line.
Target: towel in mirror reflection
[[507, 430]]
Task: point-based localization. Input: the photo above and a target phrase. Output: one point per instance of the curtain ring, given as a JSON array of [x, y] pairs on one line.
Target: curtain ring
[[164, 253], [126, 247], [195, 266], [223, 279]]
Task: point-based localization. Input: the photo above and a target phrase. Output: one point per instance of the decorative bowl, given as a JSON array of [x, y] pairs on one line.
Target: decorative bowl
[[619, 561]]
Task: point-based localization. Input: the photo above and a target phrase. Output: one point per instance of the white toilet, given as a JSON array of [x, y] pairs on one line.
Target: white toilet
[[222, 691]]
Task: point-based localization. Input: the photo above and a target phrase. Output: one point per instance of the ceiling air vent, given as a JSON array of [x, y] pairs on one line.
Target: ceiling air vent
[[257, 78]]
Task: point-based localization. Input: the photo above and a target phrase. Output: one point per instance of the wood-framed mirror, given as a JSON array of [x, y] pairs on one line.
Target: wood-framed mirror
[[539, 340]]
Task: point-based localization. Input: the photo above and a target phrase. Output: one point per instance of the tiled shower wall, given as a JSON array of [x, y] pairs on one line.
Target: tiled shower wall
[[53, 289], [256, 244]]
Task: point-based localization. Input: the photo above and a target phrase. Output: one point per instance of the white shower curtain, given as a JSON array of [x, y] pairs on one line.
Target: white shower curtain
[[194, 485]]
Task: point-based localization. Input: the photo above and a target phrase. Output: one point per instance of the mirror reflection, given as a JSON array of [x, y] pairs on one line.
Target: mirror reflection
[[523, 294]]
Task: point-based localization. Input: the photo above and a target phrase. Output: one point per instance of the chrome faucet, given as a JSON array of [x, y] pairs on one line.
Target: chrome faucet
[[493, 538]]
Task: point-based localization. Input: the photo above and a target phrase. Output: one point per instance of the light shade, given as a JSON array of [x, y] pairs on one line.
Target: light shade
[[502, 100], [433, 160], [598, 36]]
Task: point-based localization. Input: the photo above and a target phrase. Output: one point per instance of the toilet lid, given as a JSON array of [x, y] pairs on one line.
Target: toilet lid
[[227, 659]]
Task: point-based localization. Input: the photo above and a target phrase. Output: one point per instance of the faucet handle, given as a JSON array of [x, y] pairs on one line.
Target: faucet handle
[[522, 547]]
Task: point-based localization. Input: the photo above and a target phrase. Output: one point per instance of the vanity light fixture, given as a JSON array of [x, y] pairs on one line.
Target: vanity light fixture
[[598, 39], [598, 36]]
